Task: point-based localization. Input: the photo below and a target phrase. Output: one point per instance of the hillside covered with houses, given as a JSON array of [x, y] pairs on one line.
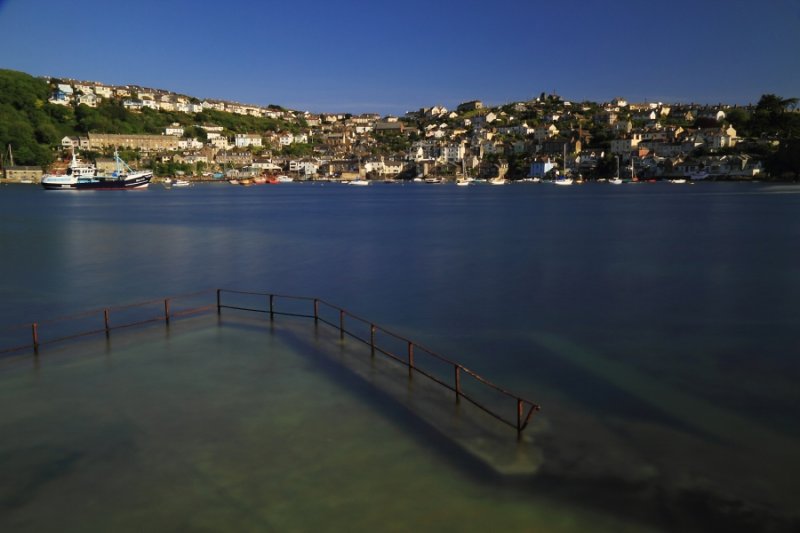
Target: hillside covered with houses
[[43, 120]]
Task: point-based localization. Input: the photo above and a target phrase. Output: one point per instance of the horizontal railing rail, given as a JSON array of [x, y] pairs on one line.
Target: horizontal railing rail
[[104, 320], [107, 319]]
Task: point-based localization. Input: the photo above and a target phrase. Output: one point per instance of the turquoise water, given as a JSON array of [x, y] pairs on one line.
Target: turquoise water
[[654, 323]]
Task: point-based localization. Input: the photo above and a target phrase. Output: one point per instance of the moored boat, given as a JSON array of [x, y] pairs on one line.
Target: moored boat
[[124, 177], [69, 180]]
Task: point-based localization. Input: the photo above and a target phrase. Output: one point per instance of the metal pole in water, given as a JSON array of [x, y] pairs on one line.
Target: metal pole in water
[[219, 309], [410, 356], [166, 310], [519, 417], [316, 310], [271, 307], [341, 323], [105, 319], [372, 337], [458, 382], [35, 331]]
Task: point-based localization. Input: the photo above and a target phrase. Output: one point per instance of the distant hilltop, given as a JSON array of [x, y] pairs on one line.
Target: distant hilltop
[[541, 137]]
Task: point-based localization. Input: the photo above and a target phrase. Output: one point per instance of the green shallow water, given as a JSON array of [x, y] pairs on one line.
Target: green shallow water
[[231, 428]]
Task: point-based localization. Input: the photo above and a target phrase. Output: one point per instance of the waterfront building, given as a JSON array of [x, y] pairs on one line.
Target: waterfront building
[[23, 173], [541, 167]]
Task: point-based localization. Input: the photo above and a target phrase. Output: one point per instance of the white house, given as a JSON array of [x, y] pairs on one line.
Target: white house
[[266, 164], [88, 99], [103, 91], [244, 140], [133, 105], [174, 129], [220, 142], [453, 153], [66, 89], [286, 139], [190, 144], [305, 167]]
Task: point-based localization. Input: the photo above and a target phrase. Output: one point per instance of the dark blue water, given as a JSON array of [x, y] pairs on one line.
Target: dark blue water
[[656, 323]]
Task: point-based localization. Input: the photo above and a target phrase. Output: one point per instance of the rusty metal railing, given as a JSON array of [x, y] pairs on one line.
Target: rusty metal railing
[[524, 408], [102, 320], [107, 319]]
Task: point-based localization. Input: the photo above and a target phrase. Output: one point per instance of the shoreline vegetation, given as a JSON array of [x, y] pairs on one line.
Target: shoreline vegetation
[[43, 120]]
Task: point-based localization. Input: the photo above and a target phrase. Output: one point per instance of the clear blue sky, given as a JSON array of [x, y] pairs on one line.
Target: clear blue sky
[[390, 57]]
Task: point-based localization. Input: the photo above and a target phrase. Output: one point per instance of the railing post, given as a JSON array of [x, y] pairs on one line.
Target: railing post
[[219, 308], [519, 417], [410, 355], [316, 310], [372, 337], [35, 332], [458, 383], [105, 319], [272, 307], [166, 310], [341, 323]]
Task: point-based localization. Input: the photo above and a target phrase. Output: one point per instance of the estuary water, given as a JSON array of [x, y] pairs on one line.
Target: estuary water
[[656, 324]]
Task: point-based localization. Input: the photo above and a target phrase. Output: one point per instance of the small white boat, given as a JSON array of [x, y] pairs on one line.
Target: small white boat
[[615, 181], [284, 179], [462, 183], [498, 181], [360, 183], [563, 180], [181, 183], [679, 180]]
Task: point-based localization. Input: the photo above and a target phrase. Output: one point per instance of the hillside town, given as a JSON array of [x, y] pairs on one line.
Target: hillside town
[[535, 139]]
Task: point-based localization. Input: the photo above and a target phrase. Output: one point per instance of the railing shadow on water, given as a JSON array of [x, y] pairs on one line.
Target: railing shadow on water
[[465, 384]]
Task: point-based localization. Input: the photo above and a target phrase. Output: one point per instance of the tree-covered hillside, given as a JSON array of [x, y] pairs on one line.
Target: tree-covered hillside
[[28, 122], [34, 127]]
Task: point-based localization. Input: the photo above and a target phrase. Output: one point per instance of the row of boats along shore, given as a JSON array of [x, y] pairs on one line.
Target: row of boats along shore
[[82, 176]]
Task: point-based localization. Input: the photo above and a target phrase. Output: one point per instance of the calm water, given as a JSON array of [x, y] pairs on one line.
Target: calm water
[[656, 324]]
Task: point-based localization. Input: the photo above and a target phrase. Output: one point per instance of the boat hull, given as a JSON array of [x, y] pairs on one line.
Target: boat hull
[[114, 184], [58, 186]]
